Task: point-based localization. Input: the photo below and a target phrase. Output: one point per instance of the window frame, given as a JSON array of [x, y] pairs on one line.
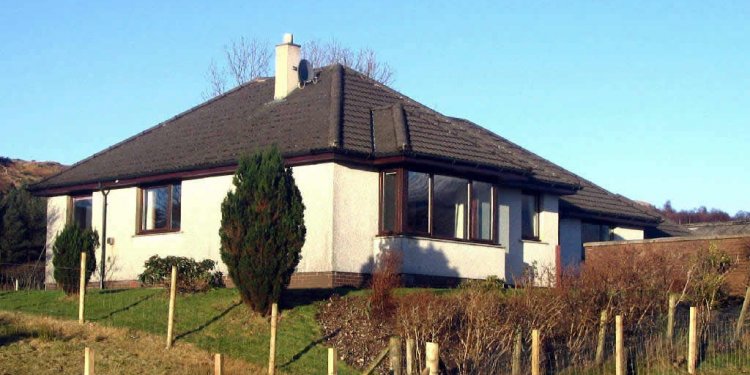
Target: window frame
[[537, 216], [473, 228], [400, 227], [139, 208], [70, 217], [397, 220], [466, 225]]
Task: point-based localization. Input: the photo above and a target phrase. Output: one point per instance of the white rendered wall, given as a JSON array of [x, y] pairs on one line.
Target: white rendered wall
[[198, 236], [622, 233], [571, 245], [509, 216], [355, 218], [315, 183], [427, 256], [541, 254], [57, 212]]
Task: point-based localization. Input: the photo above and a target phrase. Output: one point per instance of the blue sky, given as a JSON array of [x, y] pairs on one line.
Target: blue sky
[[650, 100]]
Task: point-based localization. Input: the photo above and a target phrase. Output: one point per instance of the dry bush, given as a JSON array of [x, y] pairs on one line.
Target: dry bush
[[426, 317], [29, 275], [475, 326], [385, 278], [706, 286]]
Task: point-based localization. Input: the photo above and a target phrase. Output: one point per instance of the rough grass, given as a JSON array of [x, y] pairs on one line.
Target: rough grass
[[214, 321], [41, 345]]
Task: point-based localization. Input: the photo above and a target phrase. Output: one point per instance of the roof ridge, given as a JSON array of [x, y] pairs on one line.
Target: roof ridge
[[420, 107], [400, 127], [335, 114]]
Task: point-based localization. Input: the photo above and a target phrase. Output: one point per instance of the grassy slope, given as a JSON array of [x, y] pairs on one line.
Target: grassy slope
[[24, 339], [214, 321]]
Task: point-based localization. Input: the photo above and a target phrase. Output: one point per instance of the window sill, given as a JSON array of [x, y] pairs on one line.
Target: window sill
[[445, 240], [156, 233], [539, 242]]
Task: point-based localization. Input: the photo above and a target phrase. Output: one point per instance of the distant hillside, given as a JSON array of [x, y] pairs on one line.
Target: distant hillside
[[16, 172]]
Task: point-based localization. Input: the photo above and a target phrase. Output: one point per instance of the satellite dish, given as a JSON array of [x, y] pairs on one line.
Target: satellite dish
[[305, 72]]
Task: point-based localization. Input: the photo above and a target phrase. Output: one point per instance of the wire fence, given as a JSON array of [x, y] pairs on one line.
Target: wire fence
[[25, 276], [647, 348]]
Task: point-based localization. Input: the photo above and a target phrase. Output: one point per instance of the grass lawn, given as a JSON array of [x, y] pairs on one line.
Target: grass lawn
[[214, 321], [48, 346]]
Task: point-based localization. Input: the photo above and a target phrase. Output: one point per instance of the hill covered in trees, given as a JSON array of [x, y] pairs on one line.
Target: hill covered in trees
[[23, 217], [18, 173], [699, 214]]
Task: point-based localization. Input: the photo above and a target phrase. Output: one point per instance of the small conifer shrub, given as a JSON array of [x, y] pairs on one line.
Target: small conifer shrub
[[262, 229], [66, 256]]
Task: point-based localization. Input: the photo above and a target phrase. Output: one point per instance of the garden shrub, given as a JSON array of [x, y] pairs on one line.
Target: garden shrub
[[490, 283], [192, 276], [385, 278], [66, 256], [262, 229], [476, 324]]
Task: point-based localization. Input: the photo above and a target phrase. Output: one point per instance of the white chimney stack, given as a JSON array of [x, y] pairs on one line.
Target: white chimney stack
[[287, 61]]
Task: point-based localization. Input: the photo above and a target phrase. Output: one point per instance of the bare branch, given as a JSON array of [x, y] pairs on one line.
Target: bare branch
[[247, 59], [217, 82], [364, 60]]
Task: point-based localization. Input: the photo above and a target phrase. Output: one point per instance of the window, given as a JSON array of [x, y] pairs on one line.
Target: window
[[160, 208], [449, 206], [80, 213], [426, 204], [595, 232], [481, 211], [530, 216], [389, 203], [417, 202]]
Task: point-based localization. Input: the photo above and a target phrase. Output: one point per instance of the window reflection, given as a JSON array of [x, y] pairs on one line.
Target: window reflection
[[449, 206], [417, 202], [481, 211]]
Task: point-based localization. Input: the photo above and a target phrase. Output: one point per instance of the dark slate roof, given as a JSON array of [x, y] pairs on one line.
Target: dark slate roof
[[344, 112], [727, 228]]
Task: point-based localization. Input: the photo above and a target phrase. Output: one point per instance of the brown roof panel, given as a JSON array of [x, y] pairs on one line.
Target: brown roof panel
[[344, 111]]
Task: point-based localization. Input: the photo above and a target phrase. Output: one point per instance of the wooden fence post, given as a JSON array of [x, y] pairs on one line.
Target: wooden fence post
[[394, 345], [16, 285], [432, 358], [333, 367], [515, 361], [599, 358], [376, 362], [88, 361], [272, 348], [619, 347], [670, 317], [692, 342], [218, 364], [82, 288], [410, 346], [170, 318], [536, 360], [743, 311]]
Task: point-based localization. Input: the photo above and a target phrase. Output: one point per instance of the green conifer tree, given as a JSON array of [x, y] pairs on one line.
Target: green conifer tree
[[22, 226], [66, 256], [262, 229]]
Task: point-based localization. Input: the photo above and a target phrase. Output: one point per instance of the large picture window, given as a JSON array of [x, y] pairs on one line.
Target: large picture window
[[160, 208], [389, 202], [449, 206], [417, 202], [481, 211], [80, 213], [595, 232], [530, 216]]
